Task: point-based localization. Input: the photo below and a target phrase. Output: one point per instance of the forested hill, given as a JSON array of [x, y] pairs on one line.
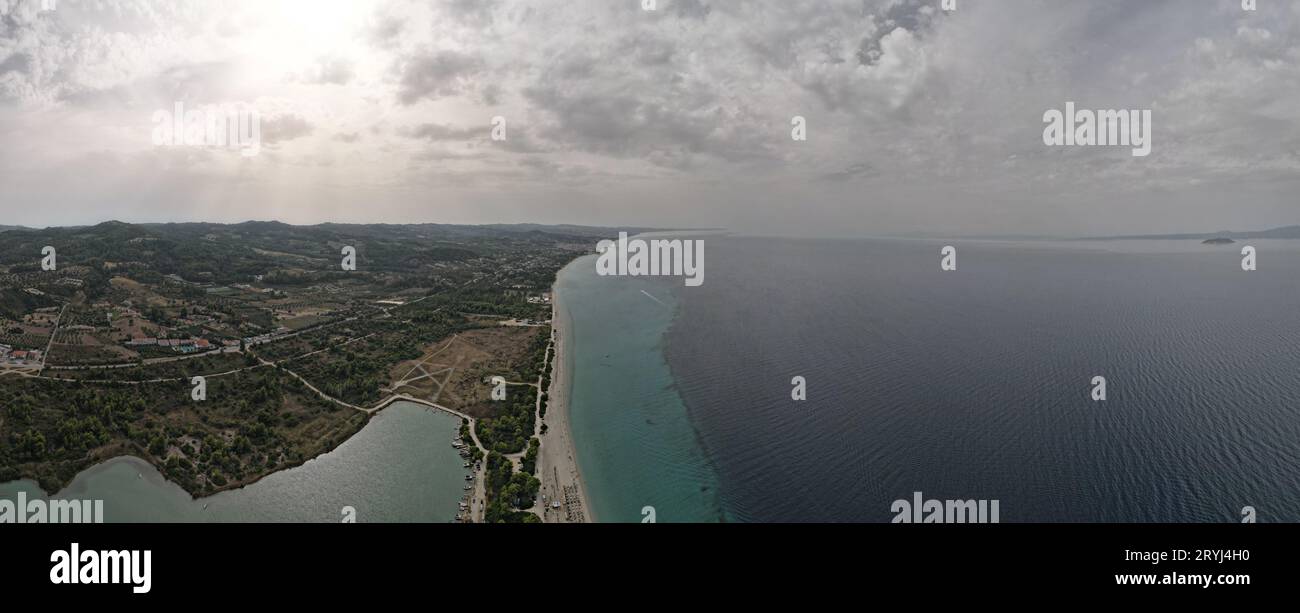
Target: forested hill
[[219, 253]]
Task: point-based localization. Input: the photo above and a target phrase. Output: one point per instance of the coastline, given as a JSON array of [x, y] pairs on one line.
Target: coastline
[[558, 467], [131, 452], [126, 450], [134, 490], [557, 460], [644, 460]]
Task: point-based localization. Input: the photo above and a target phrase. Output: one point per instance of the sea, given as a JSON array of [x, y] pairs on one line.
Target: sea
[[972, 384]]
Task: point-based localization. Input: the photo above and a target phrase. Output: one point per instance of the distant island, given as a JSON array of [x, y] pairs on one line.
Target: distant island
[[1220, 237], [1285, 232]]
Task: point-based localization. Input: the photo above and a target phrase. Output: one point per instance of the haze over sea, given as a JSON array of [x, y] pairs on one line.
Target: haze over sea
[[973, 384]]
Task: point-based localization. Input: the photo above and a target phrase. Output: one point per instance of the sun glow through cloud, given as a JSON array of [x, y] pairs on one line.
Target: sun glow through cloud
[[290, 34], [619, 115]]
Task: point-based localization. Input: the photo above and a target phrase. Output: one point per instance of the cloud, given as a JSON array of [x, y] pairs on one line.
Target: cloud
[[284, 128], [680, 115], [850, 172], [332, 70], [440, 132], [435, 74]]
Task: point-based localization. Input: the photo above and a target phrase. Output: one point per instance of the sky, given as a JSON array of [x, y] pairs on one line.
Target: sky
[[666, 113]]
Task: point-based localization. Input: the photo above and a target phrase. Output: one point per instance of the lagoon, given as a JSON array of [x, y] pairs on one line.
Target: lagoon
[[399, 468]]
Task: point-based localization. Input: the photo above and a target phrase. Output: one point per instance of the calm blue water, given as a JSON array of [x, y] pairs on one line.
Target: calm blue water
[[975, 383], [399, 468]]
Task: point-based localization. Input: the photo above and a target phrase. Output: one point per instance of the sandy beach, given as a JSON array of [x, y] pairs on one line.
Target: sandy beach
[[557, 460]]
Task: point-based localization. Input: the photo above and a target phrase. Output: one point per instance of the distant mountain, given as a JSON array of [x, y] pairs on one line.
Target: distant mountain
[[449, 231], [1283, 232], [7, 228], [233, 253], [569, 229], [979, 237]]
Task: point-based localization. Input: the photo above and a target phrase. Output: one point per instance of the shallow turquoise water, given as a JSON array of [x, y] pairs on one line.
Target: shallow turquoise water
[[636, 446], [399, 468]]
